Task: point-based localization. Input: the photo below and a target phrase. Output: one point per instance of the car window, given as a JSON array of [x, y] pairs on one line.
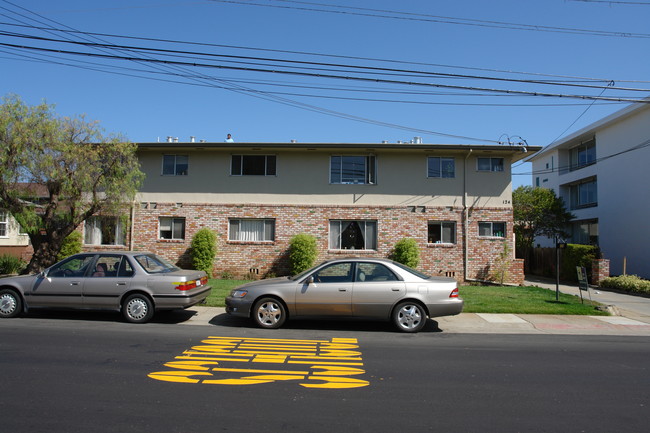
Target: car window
[[154, 264], [412, 271], [112, 266], [74, 266], [374, 272], [335, 273]]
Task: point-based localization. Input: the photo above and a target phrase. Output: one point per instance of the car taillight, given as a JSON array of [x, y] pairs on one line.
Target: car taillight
[[191, 284], [454, 293]]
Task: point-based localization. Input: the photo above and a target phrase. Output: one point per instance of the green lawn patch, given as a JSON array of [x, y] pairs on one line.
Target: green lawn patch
[[221, 289], [524, 300]]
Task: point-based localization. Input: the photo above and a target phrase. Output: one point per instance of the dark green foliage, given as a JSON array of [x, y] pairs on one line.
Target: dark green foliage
[[11, 264], [577, 255], [204, 250], [406, 252], [302, 252], [71, 245]]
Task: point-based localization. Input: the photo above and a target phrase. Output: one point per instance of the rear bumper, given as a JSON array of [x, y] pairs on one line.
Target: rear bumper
[[450, 308], [182, 300]]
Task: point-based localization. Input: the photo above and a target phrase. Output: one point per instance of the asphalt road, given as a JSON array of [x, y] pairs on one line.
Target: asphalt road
[[73, 373]]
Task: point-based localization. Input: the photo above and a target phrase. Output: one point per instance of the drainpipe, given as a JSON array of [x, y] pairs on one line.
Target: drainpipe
[[465, 219], [132, 225]]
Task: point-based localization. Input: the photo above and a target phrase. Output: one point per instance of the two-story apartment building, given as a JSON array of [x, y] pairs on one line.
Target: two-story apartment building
[[600, 173], [356, 199]]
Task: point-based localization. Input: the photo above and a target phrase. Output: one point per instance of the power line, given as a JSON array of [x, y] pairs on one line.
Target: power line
[[398, 15]]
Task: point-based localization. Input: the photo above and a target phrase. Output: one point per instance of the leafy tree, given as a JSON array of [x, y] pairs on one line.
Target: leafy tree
[[406, 252], [537, 212], [71, 245], [55, 172], [204, 250], [302, 252]]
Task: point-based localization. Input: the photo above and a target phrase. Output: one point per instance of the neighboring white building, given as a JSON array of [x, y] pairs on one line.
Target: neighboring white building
[[601, 172]]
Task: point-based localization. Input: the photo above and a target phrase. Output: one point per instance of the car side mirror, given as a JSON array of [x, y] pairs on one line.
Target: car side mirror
[[310, 280]]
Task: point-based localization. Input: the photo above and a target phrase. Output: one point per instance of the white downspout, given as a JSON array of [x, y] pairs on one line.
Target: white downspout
[[465, 220]]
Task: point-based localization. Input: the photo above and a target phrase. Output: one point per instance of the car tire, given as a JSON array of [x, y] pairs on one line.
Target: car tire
[[269, 313], [409, 316], [11, 305], [137, 308]]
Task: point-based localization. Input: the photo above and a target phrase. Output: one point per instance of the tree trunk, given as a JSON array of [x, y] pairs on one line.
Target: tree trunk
[[46, 248]]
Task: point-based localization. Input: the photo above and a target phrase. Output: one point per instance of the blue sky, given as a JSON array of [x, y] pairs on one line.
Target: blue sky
[[384, 60]]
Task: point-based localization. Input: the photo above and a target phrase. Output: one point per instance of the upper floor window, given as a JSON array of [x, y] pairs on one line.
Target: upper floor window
[[353, 235], [253, 230], [441, 232], [584, 194], [253, 165], [172, 228], [583, 155], [441, 167], [492, 229], [104, 230], [351, 169], [4, 224], [489, 164], [175, 165]]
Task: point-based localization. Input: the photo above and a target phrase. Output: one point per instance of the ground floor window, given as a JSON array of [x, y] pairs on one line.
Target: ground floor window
[[104, 230], [492, 229], [441, 232], [353, 235], [252, 230], [585, 232], [172, 228]]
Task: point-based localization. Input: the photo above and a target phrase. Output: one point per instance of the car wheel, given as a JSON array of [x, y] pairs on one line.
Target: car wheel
[[10, 303], [409, 316], [269, 313], [137, 308]]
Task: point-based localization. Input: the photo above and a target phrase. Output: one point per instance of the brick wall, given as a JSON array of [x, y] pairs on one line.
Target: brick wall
[[599, 271], [393, 223]]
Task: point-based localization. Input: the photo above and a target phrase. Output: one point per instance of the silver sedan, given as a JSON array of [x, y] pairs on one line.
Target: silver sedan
[[375, 289], [134, 283]]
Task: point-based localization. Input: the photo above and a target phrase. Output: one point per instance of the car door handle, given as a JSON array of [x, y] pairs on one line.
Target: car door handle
[[343, 290], [74, 283], [395, 289], [121, 283]]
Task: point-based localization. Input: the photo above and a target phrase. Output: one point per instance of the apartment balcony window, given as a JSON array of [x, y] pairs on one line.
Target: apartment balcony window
[[582, 155], [584, 194]]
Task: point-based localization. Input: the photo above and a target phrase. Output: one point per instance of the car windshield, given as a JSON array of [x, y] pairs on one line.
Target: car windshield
[[412, 271], [154, 264]]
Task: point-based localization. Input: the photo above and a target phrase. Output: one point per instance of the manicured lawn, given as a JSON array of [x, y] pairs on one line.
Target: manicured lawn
[[478, 299], [523, 300], [221, 289]]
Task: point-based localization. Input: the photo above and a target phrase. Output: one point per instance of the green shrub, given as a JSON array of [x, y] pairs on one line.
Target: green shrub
[[11, 264], [203, 250], [577, 255], [302, 252], [627, 283], [502, 264], [71, 245], [406, 252]]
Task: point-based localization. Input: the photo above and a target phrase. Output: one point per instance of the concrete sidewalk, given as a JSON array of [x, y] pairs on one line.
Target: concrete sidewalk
[[472, 323]]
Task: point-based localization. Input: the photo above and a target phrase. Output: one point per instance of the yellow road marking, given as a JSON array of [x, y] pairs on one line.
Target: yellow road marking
[[328, 364]]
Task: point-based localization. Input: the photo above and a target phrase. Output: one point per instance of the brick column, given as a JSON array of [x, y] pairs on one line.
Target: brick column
[[599, 271]]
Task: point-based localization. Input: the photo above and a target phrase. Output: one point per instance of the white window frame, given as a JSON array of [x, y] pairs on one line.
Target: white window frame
[[251, 230], [441, 225], [176, 171], [337, 175], [497, 164], [4, 224], [173, 223], [440, 172], [492, 232], [338, 228], [93, 233]]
